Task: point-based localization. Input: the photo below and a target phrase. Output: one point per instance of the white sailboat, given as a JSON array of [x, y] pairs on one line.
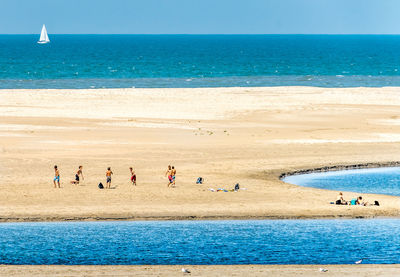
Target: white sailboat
[[44, 38]]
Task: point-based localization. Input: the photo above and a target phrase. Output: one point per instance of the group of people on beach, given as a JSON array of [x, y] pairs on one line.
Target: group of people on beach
[[79, 174], [355, 201]]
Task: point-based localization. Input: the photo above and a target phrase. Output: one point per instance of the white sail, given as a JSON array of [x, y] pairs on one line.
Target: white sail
[[44, 38]]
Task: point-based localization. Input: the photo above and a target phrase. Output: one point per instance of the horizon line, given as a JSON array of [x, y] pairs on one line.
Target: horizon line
[[208, 34]]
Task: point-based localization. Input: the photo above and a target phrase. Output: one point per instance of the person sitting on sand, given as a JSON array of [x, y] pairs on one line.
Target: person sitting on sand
[[133, 176], [168, 173], [56, 177], [79, 172], [340, 200], [108, 176], [361, 202]]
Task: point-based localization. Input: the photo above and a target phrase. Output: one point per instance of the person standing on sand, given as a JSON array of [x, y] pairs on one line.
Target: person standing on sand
[[133, 176], [168, 173], [108, 176], [79, 172], [56, 179], [173, 174]]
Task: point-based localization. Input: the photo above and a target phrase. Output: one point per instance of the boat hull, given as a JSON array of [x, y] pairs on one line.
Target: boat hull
[[43, 42]]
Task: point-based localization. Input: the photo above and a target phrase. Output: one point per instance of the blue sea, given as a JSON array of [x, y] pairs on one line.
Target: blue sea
[[115, 61], [202, 242], [375, 180]]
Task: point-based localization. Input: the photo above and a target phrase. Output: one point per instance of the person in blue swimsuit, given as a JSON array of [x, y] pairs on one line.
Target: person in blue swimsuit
[[173, 174], [56, 179], [108, 176]]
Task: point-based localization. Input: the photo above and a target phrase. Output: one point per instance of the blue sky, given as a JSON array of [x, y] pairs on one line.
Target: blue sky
[[200, 16]]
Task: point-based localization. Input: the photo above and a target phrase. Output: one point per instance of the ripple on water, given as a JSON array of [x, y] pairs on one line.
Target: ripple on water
[[202, 242]]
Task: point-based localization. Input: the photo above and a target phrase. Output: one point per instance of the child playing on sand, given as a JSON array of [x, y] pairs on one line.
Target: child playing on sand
[[108, 176], [56, 177], [79, 172], [133, 176]]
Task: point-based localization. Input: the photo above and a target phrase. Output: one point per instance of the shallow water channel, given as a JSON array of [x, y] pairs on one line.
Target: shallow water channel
[[202, 242]]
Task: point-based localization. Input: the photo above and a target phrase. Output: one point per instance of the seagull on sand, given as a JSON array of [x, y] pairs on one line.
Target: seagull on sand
[[184, 270], [359, 261]]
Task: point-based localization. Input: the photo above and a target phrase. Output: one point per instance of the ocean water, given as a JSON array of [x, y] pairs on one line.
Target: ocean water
[[376, 180], [202, 242], [95, 61]]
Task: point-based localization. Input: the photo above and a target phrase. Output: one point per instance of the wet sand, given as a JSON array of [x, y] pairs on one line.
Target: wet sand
[[225, 135], [203, 270]]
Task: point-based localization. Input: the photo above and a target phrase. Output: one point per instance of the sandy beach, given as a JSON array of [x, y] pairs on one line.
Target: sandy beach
[[226, 135], [203, 270]]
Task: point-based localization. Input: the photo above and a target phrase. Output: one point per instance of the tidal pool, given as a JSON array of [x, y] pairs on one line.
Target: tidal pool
[[374, 180]]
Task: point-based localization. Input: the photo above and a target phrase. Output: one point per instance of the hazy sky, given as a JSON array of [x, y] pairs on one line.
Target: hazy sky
[[201, 16]]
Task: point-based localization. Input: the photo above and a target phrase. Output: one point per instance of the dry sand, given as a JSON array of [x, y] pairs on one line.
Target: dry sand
[[204, 270], [226, 135]]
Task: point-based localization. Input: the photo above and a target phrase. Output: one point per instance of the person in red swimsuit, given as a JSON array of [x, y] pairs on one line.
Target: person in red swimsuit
[[133, 176], [168, 174]]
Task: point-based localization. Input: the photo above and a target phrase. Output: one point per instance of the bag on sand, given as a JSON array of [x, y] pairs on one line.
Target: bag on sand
[[101, 186], [237, 187], [199, 180]]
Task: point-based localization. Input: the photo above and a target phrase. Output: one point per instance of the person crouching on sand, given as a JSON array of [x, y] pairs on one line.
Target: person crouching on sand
[[79, 172], [133, 176], [108, 176], [56, 179]]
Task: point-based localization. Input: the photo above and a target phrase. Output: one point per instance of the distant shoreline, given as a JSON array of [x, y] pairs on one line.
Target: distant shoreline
[[183, 218], [203, 270], [331, 168], [267, 81]]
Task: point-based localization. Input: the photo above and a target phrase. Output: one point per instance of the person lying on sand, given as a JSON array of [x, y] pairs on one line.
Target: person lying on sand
[[361, 202], [340, 200], [79, 172], [355, 201]]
